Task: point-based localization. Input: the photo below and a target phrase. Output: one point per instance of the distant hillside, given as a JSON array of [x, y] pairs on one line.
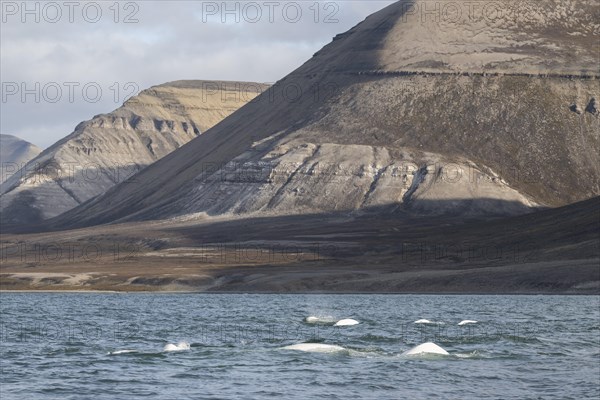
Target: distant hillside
[[14, 153], [112, 147]]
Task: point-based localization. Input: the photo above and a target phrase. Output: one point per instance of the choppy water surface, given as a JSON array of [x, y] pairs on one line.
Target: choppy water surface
[[163, 346]]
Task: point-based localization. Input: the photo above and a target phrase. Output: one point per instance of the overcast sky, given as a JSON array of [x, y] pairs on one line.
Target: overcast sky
[[52, 51]]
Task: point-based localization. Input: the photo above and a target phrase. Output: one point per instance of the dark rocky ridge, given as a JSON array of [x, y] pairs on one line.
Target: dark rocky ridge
[[551, 251]]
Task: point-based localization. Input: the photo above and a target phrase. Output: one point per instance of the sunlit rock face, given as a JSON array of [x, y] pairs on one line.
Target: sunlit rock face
[[111, 148]]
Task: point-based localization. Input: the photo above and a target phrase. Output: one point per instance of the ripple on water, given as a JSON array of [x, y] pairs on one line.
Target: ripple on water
[[238, 339]]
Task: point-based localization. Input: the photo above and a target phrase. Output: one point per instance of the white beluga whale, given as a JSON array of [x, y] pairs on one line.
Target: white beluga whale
[[346, 322], [319, 320], [423, 321], [181, 346], [425, 348], [315, 347], [467, 322]]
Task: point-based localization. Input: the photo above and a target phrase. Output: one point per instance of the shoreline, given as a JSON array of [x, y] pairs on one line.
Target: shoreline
[[307, 293]]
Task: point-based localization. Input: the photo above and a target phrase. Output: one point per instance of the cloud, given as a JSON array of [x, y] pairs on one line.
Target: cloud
[[170, 41]]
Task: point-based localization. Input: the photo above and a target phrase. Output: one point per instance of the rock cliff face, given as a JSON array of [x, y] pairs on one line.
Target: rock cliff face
[[14, 153], [110, 148], [477, 112]]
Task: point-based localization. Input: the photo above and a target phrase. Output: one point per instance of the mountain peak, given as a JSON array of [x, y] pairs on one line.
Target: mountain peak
[[14, 153], [541, 37]]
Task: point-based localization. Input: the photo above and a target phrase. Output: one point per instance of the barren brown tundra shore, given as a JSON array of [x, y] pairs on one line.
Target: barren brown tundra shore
[[552, 251]]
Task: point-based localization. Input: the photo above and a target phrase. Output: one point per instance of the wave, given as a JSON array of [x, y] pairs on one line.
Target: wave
[[117, 352], [473, 355], [372, 338], [315, 348]]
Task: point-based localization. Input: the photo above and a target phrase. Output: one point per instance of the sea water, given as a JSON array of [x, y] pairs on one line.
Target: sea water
[[236, 346]]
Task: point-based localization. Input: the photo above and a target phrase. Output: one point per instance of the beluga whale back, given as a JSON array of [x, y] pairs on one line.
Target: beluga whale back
[[346, 322], [315, 347], [425, 348]]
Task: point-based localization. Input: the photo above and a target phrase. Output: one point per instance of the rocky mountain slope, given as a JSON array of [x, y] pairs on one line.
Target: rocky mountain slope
[[471, 113], [110, 148], [14, 153]]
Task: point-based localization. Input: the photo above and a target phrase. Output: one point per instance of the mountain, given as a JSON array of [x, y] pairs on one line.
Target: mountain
[[411, 154], [484, 115], [110, 148], [14, 153]]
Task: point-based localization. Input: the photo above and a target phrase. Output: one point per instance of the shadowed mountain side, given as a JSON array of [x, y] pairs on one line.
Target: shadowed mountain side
[[110, 148], [382, 94], [551, 251], [569, 232], [288, 105], [262, 118]]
